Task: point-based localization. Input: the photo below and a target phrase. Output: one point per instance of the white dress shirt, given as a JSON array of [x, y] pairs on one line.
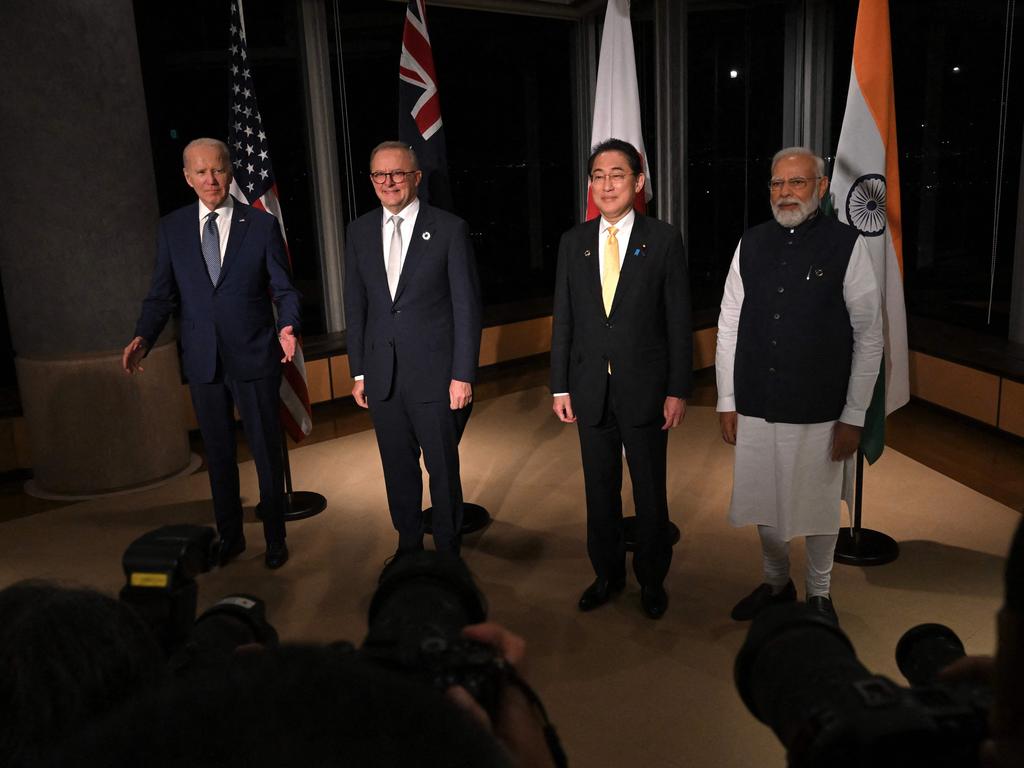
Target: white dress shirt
[[224, 213]]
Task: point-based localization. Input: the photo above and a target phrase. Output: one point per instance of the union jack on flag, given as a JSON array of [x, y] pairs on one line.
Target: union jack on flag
[[419, 108], [254, 184]]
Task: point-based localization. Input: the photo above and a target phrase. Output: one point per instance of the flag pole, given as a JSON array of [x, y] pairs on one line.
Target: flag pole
[[866, 189], [254, 183], [863, 546], [421, 127]]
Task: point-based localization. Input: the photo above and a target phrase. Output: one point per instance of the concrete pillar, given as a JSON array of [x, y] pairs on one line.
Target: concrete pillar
[[77, 247]]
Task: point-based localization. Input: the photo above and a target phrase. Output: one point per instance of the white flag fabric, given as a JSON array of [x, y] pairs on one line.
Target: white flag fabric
[[866, 184], [617, 98]]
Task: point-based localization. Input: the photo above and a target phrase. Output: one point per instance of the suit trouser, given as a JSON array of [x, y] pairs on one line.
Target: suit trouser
[[405, 426], [646, 449], [257, 402]]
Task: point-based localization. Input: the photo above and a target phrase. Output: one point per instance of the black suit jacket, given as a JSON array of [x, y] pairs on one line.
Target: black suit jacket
[[646, 337], [235, 318], [432, 328]]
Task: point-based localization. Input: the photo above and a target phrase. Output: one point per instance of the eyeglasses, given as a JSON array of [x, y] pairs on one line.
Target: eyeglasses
[[396, 176], [617, 179], [796, 183]]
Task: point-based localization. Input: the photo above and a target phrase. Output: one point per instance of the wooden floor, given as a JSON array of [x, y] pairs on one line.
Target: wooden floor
[[982, 458]]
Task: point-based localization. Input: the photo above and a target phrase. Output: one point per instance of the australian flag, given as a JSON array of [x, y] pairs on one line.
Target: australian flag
[[419, 107]]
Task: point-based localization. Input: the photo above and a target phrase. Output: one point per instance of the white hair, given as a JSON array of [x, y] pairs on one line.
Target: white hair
[[819, 164], [205, 142]]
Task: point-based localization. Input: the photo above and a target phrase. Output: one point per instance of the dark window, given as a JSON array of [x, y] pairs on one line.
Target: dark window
[[183, 48], [506, 100], [735, 102]]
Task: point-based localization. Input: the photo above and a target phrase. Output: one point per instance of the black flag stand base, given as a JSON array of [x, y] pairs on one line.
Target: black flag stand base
[[474, 517], [298, 505], [862, 546], [629, 533]]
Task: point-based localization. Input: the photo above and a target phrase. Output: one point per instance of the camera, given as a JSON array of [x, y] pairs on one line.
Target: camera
[[160, 569], [416, 617], [798, 673]]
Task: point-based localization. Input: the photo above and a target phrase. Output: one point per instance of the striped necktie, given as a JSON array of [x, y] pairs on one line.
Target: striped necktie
[[211, 246]]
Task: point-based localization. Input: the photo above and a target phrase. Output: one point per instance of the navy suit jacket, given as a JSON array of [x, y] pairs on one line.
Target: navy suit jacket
[[646, 337], [431, 330], [235, 318]]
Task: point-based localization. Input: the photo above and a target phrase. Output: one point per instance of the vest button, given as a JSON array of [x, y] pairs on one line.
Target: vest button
[[776, 316], [774, 343], [781, 289], [771, 370]]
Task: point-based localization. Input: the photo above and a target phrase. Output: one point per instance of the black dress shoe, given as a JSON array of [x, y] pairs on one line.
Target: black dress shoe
[[598, 593], [229, 549], [654, 601], [761, 598], [823, 605], [277, 554]]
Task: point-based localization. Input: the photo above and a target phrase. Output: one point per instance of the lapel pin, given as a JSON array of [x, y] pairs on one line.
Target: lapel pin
[[819, 272], [586, 253], [426, 235]]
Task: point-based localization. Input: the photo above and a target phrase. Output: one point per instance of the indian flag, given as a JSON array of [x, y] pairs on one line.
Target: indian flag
[[866, 195], [617, 97]]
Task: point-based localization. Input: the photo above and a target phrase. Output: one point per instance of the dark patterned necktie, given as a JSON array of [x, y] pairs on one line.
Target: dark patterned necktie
[[211, 246]]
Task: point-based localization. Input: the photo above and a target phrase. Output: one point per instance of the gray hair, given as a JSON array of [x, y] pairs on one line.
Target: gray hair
[[205, 142], [396, 145], [819, 164]]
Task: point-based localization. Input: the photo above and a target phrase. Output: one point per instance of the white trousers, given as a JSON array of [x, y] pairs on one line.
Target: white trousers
[[821, 551]]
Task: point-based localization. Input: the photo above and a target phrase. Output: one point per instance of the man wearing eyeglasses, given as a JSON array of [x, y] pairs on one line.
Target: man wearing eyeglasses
[[621, 369], [412, 306], [799, 348]]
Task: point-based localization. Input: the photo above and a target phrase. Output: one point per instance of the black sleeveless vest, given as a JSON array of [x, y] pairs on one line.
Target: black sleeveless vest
[[795, 344]]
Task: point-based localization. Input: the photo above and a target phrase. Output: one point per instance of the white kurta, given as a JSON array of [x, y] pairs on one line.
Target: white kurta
[[784, 476]]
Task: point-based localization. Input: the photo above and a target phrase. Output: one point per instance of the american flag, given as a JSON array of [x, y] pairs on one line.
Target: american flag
[[419, 107], [255, 185]]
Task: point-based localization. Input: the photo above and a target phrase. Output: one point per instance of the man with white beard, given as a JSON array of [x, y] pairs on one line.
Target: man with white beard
[[799, 349]]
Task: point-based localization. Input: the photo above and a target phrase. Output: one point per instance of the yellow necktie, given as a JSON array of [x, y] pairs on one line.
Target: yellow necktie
[[610, 278]]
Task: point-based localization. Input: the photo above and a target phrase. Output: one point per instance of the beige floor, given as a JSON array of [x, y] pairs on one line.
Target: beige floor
[[622, 689]]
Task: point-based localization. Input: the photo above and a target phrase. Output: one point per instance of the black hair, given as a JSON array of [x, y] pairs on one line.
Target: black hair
[[636, 163], [68, 655]]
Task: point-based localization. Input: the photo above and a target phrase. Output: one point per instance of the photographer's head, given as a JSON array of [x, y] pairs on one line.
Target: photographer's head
[[68, 656], [290, 706]]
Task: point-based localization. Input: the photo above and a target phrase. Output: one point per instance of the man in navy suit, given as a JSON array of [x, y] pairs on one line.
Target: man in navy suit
[[412, 306], [224, 264], [621, 369]]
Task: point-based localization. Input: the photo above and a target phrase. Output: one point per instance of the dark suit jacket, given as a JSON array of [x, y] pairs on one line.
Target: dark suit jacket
[[647, 336], [432, 328], [235, 318]]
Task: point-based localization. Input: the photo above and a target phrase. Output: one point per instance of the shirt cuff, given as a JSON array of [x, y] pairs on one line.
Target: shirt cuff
[[726, 404], [853, 416], [559, 394], [357, 378]]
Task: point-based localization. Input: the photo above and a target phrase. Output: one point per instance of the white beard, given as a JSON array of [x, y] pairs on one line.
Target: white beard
[[794, 217]]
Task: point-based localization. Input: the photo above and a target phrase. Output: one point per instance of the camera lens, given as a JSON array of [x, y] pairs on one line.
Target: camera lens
[[926, 649]]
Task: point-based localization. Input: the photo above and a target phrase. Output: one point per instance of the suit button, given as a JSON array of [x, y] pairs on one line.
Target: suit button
[[774, 343], [771, 370], [780, 289], [776, 316], [607, 324]]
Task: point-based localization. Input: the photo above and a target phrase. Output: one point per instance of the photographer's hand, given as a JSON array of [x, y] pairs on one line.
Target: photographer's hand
[[518, 727]]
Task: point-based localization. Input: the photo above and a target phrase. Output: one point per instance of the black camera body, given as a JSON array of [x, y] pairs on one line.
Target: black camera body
[[415, 626], [797, 673], [160, 569]]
